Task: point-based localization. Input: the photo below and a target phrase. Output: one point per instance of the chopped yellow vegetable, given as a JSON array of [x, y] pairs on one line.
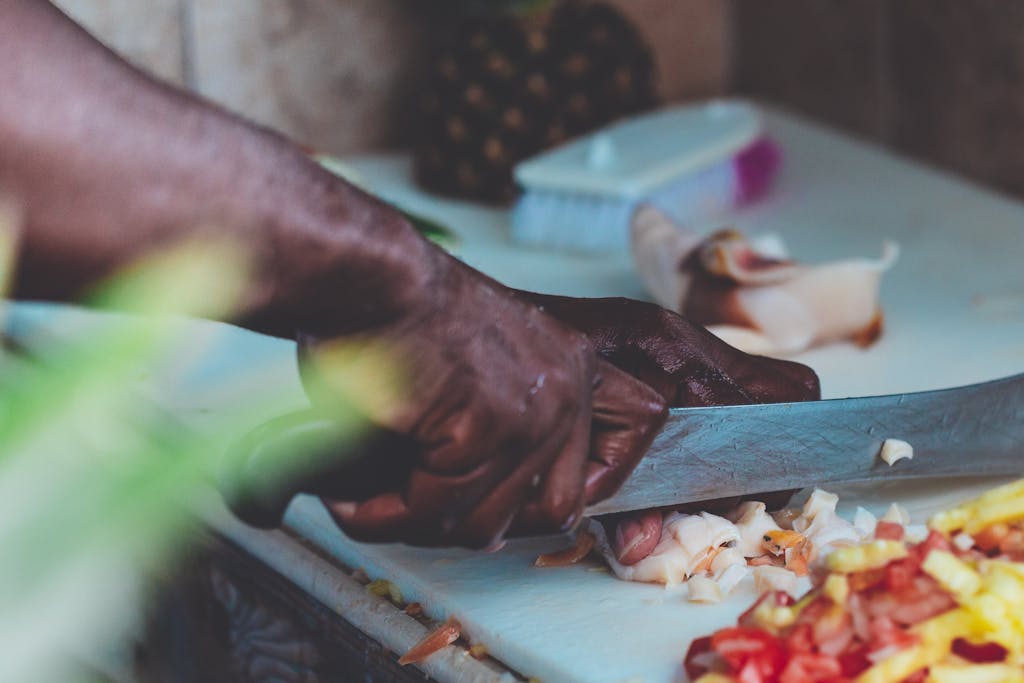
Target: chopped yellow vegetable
[[385, 589], [871, 555], [994, 512], [953, 574], [975, 673], [714, 678], [837, 588], [998, 505], [902, 664], [948, 521], [774, 618]]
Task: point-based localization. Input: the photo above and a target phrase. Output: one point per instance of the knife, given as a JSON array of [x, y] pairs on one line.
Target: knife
[[706, 453]]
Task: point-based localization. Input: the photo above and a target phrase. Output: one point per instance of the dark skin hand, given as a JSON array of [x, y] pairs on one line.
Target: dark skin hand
[[513, 417], [688, 366]]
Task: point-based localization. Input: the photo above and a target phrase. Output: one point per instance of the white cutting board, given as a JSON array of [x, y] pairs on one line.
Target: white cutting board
[[955, 315]]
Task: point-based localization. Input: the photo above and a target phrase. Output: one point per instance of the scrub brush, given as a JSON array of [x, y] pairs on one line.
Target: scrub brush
[[691, 162]]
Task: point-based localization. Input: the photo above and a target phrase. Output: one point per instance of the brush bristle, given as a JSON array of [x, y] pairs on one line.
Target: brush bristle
[[588, 223], [572, 222]]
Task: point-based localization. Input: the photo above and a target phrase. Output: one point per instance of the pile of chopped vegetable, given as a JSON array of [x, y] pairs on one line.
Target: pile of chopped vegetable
[[947, 609]]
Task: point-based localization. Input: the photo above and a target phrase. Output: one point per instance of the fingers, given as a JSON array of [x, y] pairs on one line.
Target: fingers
[[770, 380], [558, 503], [476, 508], [627, 415]]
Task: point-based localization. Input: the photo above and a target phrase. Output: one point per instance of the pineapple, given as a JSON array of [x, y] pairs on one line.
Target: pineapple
[[515, 78]]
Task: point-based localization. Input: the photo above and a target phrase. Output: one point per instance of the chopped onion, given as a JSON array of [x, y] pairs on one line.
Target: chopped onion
[[731, 576], [864, 521], [963, 541], [894, 450], [896, 513], [768, 579], [752, 521], [703, 589]]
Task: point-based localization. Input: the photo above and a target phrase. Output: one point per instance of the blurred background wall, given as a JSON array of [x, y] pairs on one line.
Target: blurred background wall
[[339, 74], [942, 80]]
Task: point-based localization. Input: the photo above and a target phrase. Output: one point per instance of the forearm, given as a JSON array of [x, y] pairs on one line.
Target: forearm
[[106, 164]]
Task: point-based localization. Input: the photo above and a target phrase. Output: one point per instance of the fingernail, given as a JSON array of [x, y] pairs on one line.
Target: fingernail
[[636, 537]]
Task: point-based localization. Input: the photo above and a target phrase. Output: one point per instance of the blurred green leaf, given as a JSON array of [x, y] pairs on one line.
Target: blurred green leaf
[[94, 477]]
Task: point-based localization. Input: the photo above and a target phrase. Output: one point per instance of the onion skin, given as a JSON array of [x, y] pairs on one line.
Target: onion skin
[[438, 639], [563, 558]]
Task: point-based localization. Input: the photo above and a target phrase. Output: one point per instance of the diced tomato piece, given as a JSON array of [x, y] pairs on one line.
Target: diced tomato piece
[[750, 651], [935, 541], [979, 653], [900, 573], [751, 673], [815, 611], [1013, 544], [920, 599], [889, 531], [808, 668], [834, 632], [854, 662], [992, 536], [862, 581], [885, 633], [800, 639], [694, 669], [917, 677]]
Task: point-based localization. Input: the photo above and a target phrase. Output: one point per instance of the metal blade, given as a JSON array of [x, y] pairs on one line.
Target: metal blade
[[707, 453]]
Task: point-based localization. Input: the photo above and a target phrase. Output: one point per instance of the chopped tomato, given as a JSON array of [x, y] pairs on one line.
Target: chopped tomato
[[979, 653], [889, 531], [854, 661], [935, 541], [990, 538], [886, 633], [808, 668], [899, 574], [862, 581], [691, 663], [800, 639], [917, 677], [755, 654]]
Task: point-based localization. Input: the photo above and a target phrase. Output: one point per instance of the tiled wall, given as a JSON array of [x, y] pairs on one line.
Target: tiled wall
[[942, 80], [338, 74]]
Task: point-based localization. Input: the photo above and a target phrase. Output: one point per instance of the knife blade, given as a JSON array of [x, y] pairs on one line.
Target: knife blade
[[706, 453]]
